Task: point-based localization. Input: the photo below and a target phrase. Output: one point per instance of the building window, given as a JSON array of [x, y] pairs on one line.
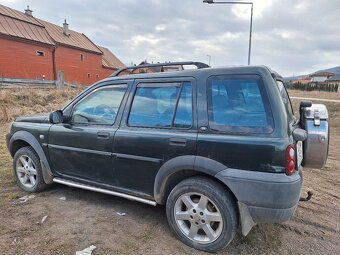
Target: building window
[[40, 53], [81, 57], [97, 76], [88, 75]]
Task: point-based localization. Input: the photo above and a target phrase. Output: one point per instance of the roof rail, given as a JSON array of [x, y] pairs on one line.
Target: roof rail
[[199, 65]]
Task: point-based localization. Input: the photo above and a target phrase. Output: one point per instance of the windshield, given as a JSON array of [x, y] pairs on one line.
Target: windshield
[[286, 100]]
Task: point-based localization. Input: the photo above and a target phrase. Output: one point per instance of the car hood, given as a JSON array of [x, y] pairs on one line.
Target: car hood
[[33, 119]]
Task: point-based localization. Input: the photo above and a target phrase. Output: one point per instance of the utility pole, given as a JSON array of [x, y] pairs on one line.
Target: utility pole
[[251, 18]]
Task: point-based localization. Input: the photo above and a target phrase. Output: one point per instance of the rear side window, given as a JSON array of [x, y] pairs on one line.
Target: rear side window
[[162, 105], [238, 104]]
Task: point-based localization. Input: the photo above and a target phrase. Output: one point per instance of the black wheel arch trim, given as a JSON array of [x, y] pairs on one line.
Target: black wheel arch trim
[[33, 142], [189, 162]]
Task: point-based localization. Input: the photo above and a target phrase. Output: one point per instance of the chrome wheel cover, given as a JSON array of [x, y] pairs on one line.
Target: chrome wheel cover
[[26, 171], [198, 218]]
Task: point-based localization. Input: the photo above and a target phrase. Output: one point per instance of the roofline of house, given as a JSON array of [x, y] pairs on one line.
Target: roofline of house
[[17, 38], [78, 48], [322, 75]]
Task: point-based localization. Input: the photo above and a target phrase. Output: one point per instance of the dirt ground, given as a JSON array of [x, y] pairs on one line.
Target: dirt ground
[[85, 218]]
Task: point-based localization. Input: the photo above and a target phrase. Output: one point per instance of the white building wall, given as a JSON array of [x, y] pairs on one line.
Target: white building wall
[[319, 78]]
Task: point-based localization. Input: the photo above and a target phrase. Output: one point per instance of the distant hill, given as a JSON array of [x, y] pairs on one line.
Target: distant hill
[[332, 70], [335, 70], [297, 77]]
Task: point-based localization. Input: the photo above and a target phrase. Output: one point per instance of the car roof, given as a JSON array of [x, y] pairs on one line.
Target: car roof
[[193, 72]]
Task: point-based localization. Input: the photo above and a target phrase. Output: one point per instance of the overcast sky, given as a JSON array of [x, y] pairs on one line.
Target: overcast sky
[[290, 36]]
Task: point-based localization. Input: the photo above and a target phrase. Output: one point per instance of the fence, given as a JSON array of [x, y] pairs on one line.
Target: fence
[[60, 83]]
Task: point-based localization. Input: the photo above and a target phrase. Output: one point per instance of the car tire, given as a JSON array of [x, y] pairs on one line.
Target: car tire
[[27, 170], [202, 214]]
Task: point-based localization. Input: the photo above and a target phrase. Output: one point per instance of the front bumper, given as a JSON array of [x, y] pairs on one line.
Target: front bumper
[[263, 197]]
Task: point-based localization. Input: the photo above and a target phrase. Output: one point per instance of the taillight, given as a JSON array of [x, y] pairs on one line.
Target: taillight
[[290, 159]]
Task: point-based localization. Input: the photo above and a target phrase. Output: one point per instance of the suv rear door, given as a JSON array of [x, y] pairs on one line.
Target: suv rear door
[[158, 124], [237, 123]]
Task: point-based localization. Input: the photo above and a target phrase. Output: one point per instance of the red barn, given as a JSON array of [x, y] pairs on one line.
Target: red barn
[[31, 48]]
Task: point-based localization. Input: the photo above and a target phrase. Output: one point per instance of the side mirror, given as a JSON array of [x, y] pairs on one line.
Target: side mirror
[[56, 117]]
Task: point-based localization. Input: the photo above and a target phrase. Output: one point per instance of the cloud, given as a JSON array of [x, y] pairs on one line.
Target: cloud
[[291, 36]]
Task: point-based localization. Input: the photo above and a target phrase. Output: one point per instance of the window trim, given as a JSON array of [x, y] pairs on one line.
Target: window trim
[[89, 94], [192, 107], [241, 130], [290, 113], [156, 84]]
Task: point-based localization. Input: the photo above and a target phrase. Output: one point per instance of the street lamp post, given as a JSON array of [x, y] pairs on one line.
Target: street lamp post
[[251, 18], [209, 57]]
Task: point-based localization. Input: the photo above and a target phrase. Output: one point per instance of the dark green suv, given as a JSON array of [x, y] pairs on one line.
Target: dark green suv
[[218, 146]]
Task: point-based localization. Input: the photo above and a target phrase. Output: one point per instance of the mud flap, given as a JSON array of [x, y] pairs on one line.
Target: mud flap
[[247, 222], [47, 174]]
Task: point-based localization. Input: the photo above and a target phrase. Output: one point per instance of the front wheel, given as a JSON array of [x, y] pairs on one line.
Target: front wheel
[[202, 214], [27, 170]]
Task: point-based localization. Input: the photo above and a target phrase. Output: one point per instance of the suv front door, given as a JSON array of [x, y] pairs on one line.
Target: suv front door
[[81, 148], [158, 124]]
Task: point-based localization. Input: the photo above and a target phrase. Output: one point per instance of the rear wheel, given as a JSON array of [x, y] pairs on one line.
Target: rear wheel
[[202, 214], [27, 170]]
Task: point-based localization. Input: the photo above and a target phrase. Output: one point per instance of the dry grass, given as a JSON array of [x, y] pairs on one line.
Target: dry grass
[[28, 100], [315, 94]]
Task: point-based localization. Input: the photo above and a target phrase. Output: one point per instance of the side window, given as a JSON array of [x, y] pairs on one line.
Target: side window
[[154, 105], [238, 103], [99, 107]]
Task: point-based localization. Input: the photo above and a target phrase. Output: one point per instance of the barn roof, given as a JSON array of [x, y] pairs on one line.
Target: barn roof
[[110, 60], [322, 74], [74, 39], [17, 24]]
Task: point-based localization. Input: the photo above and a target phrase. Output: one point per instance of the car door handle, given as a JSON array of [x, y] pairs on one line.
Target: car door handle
[[103, 135], [178, 141]]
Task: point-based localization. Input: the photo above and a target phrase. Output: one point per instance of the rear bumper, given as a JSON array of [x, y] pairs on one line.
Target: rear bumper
[[263, 214], [265, 197]]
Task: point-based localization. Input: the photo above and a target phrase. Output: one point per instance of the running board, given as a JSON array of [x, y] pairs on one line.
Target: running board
[[105, 191]]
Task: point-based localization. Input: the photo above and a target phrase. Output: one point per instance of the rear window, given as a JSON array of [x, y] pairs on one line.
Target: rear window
[[238, 104]]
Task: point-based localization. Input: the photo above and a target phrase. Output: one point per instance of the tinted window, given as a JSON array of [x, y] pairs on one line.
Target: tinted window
[[154, 105], [99, 107], [238, 103]]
